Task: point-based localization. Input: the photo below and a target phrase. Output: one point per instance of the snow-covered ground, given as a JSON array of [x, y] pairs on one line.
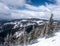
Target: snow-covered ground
[[53, 41]]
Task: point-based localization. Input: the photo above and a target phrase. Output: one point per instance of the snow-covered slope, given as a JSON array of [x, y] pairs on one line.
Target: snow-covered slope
[[53, 41]]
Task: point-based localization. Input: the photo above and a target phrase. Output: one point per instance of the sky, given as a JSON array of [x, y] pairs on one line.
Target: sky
[[16, 9]]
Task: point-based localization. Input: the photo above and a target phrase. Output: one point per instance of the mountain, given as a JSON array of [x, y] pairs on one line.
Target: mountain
[[25, 31]]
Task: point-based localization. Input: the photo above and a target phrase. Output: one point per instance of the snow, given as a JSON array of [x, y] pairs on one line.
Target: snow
[[19, 34], [10, 23], [39, 21], [53, 41]]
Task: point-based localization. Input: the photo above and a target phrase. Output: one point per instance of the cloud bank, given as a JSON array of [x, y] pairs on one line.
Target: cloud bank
[[9, 10]]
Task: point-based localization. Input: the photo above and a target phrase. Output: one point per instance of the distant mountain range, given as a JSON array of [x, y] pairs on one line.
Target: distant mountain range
[[37, 19]]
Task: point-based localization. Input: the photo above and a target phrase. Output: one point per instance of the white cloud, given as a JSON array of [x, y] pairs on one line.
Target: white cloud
[[30, 14], [4, 11], [33, 11], [58, 2], [39, 8], [55, 9], [14, 3]]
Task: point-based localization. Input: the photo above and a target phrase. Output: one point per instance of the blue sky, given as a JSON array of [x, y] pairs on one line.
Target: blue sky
[[41, 2], [31, 2], [13, 9]]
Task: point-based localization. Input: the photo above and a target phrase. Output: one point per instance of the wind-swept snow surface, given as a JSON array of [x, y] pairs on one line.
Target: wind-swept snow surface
[[53, 41]]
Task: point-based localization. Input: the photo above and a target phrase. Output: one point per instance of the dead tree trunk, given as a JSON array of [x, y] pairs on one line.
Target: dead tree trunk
[[49, 27]]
